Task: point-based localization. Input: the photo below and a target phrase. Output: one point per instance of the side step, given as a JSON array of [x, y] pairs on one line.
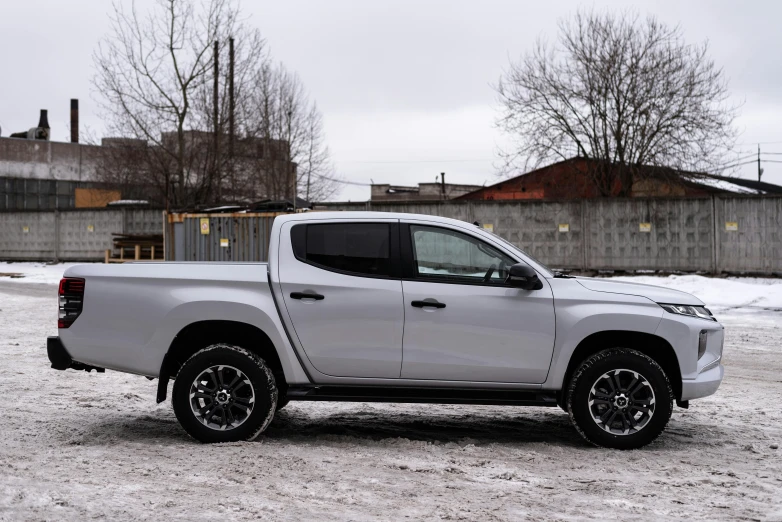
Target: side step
[[422, 395]]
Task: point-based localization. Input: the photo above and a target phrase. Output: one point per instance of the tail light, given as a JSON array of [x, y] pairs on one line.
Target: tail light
[[71, 297]]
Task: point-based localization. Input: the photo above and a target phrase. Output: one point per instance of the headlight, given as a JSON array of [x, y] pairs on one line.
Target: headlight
[[692, 311]]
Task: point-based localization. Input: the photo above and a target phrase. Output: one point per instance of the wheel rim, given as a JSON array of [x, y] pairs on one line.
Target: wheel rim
[[222, 397], [622, 402]]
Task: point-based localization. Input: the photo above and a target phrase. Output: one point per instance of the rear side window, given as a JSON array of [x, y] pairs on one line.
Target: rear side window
[[352, 248]]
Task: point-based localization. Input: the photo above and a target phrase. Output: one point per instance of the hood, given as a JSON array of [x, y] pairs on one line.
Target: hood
[[657, 294]]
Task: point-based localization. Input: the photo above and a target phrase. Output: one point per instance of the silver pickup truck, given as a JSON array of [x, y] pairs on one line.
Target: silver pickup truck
[[362, 306]]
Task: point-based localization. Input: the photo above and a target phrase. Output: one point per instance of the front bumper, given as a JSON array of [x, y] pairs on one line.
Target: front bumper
[[700, 376], [61, 359], [705, 384]]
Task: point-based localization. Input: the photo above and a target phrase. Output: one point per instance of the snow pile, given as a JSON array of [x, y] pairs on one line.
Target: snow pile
[[33, 272], [718, 293]]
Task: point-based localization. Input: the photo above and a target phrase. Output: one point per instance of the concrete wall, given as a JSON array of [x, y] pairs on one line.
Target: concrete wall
[[677, 234], [719, 234], [50, 160], [71, 235]]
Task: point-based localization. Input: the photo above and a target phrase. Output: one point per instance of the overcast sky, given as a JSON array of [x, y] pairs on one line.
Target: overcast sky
[[404, 86]]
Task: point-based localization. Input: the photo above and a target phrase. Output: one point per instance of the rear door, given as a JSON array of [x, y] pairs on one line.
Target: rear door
[[343, 293], [462, 322]]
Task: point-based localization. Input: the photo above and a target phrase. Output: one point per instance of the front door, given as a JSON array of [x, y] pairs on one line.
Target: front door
[[343, 296], [462, 322]]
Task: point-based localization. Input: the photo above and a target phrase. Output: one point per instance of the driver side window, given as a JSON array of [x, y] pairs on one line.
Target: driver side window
[[450, 256]]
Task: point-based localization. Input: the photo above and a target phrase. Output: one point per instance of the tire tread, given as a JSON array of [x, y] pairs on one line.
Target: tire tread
[[262, 366], [599, 357]]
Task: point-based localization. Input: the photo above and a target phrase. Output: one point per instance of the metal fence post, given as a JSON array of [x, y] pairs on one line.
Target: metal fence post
[[584, 233], [715, 236], [56, 235]]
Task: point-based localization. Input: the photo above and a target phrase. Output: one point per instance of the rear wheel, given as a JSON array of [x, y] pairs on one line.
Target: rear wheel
[[620, 398], [224, 393]]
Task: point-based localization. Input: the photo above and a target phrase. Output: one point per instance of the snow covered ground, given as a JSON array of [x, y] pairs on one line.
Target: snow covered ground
[[80, 446], [33, 272]]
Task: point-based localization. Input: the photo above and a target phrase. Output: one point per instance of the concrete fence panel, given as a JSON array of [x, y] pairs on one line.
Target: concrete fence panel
[[142, 221], [548, 231], [27, 236], [70, 235], [86, 234], [635, 234], [749, 234]]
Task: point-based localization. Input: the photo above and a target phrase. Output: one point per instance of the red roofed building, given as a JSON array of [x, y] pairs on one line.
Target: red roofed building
[[576, 178]]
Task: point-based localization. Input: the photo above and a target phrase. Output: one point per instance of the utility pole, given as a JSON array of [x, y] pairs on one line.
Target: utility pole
[[216, 116], [231, 116], [442, 184], [290, 162], [760, 170]]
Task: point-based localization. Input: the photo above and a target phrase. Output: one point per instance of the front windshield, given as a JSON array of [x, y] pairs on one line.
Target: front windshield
[[517, 249]]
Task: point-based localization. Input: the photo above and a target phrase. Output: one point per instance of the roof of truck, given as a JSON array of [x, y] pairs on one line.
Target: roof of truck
[[350, 214]]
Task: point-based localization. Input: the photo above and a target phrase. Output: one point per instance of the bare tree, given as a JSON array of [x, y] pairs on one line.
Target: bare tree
[[156, 74], [152, 74], [618, 89], [280, 114]]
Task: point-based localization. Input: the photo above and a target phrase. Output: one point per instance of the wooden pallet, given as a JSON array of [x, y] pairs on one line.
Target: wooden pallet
[[135, 248]]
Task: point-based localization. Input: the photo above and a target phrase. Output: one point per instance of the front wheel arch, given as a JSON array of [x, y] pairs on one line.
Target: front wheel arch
[[653, 346]]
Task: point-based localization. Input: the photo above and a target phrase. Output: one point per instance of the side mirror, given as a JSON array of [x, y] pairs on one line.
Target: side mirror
[[521, 275]]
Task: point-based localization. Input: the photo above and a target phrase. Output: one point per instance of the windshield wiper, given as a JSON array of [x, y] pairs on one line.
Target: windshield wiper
[[560, 275]]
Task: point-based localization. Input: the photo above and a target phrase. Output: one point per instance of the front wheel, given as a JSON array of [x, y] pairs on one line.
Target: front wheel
[[224, 393], [620, 398]]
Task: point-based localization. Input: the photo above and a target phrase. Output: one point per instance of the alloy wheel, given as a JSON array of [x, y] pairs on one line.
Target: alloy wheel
[[222, 397], [621, 402]]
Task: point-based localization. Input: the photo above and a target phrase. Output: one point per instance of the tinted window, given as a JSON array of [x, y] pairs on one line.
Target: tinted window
[[358, 248], [444, 254]]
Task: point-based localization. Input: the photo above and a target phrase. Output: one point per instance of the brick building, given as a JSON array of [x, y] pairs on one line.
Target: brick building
[[574, 179], [39, 174]]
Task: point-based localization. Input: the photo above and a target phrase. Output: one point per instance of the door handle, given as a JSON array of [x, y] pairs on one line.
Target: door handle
[[307, 295], [428, 302]]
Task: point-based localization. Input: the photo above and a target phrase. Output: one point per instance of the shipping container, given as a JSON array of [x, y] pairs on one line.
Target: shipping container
[[239, 236]]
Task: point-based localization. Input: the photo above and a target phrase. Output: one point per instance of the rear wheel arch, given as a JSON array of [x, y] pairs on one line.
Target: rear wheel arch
[[651, 345], [201, 334]]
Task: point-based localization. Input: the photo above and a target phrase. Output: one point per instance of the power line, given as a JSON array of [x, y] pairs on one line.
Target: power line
[[739, 164], [736, 160], [344, 182], [759, 143], [420, 161]]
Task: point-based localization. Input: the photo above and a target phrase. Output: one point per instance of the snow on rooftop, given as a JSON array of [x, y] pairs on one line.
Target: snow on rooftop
[[724, 185]]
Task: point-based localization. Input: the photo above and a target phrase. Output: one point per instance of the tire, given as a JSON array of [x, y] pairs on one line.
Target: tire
[[234, 394], [620, 398]]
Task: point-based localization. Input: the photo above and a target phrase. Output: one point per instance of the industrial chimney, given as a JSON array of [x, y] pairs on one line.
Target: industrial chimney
[[74, 120], [43, 121], [41, 132]]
